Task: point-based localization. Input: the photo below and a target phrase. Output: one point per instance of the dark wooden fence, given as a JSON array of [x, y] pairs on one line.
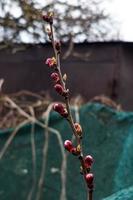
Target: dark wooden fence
[[107, 70]]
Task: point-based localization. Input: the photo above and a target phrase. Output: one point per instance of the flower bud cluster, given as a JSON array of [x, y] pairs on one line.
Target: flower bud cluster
[[88, 161], [51, 62], [89, 177], [60, 108], [70, 148], [59, 88]]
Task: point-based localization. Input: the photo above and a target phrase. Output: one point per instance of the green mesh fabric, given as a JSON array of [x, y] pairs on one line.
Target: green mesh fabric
[[108, 138], [125, 194]]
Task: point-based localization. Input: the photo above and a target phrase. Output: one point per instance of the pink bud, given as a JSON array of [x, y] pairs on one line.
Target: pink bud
[[51, 62], [88, 161], [89, 179], [68, 145], [58, 107], [55, 77], [74, 151], [59, 89]]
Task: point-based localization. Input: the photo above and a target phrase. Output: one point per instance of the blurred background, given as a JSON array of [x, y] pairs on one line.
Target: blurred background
[[82, 20], [96, 55], [96, 42]]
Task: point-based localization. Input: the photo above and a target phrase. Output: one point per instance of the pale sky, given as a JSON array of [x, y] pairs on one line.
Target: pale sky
[[122, 11]]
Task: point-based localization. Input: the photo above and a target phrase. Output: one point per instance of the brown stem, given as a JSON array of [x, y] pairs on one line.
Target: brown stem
[[57, 56], [90, 194]]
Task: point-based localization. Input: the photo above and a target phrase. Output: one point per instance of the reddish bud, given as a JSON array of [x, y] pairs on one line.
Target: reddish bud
[[51, 62], [55, 77], [89, 179], [58, 107], [59, 89], [74, 151], [68, 145], [88, 161]]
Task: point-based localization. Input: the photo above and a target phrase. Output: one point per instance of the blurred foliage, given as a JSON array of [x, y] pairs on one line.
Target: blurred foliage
[[21, 20]]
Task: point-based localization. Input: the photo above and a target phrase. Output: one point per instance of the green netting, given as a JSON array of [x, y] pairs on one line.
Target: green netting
[[125, 194], [108, 137]]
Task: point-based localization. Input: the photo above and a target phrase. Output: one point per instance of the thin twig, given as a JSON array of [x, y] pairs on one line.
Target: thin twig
[[28, 93], [20, 110], [63, 166], [44, 153], [32, 119], [11, 137], [33, 149], [90, 194]]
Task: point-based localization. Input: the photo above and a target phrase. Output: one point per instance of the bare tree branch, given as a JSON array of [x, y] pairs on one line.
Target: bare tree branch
[[84, 20]]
